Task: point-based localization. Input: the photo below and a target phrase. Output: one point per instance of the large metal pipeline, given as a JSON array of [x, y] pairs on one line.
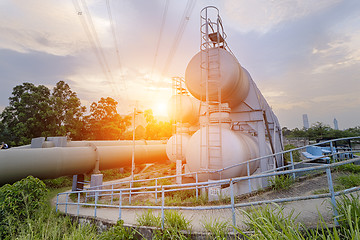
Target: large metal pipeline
[[44, 163]]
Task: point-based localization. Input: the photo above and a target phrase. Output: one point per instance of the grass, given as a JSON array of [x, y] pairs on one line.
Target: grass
[[270, 222], [218, 229], [280, 182], [149, 219], [349, 181], [172, 219], [119, 232], [174, 223], [352, 168]]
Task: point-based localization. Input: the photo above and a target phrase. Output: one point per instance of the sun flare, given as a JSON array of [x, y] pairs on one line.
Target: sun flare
[[160, 109]]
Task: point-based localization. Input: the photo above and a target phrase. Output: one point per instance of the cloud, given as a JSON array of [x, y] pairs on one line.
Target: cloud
[[263, 15], [51, 27]]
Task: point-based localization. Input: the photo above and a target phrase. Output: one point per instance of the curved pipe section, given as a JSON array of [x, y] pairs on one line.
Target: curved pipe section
[[44, 163]]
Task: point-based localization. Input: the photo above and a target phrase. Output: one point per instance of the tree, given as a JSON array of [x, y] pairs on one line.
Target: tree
[[68, 111], [104, 122], [34, 111], [28, 115], [156, 130]]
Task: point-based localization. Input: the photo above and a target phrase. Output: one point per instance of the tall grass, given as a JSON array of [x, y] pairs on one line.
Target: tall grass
[[218, 229], [280, 182], [271, 223]]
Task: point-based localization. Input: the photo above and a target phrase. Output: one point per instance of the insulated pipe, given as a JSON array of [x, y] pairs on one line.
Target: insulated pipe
[[112, 143], [44, 163]]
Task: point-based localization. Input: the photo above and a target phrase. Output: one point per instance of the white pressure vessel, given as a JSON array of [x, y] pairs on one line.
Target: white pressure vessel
[[183, 108], [176, 147], [236, 148], [234, 82]]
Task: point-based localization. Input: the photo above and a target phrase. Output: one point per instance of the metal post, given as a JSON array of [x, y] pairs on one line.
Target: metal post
[[197, 189], [96, 199], [133, 150], [57, 201], [334, 156], [232, 204], [292, 163], [332, 193], [78, 204], [112, 194], [156, 191], [120, 204], [248, 174], [66, 202], [162, 207], [130, 192]]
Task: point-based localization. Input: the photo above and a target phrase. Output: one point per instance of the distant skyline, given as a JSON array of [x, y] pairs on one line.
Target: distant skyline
[[304, 55]]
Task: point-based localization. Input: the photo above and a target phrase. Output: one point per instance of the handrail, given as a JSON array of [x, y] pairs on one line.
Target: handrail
[[96, 193]]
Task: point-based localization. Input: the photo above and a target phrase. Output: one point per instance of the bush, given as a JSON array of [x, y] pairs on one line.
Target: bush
[[19, 202]]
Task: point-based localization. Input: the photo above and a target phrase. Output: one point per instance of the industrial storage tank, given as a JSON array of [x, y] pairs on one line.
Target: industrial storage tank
[[237, 147], [176, 146], [183, 108], [234, 81]]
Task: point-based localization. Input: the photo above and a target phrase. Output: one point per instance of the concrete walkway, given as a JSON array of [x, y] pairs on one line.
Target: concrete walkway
[[307, 212]]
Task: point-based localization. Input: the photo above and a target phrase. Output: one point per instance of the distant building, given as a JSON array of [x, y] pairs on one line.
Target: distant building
[[336, 125], [305, 121]]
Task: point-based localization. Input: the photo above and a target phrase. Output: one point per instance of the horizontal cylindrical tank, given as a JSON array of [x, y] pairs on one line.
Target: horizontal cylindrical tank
[[233, 80], [176, 147], [44, 163], [236, 148], [183, 108]]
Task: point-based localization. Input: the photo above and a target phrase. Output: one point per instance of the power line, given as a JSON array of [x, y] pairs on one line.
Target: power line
[[184, 20], [116, 46], [95, 43], [160, 36]]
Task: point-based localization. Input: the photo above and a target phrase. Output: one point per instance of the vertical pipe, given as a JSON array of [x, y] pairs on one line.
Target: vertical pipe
[[332, 194], [66, 202], [96, 199], [78, 205], [57, 201], [120, 204], [162, 207], [292, 163], [232, 204], [248, 174], [156, 191]]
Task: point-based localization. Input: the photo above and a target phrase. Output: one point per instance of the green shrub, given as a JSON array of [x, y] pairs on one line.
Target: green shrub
[[19, 202]]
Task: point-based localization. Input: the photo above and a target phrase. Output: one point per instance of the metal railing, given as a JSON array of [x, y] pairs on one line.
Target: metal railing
[[164, 189]]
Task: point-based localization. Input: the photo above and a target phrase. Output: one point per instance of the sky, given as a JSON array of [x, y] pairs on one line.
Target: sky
[[304, 55]]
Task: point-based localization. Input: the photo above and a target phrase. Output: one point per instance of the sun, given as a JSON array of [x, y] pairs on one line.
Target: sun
[[160, 109]]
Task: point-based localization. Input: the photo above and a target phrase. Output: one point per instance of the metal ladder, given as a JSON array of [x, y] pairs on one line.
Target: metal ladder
[[212, 40]]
